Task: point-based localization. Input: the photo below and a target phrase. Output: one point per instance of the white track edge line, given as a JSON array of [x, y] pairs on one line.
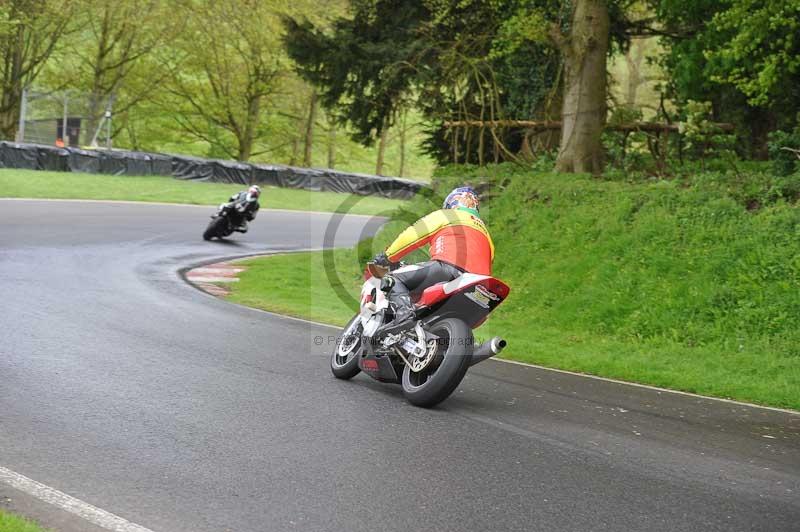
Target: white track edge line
[[68, 503], [287, 317], [525, 364], [650, 387], [556, 370], [161, 203]]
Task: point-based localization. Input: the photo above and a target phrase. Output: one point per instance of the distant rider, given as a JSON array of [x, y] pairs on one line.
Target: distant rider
[[459, 242], [246, 204]]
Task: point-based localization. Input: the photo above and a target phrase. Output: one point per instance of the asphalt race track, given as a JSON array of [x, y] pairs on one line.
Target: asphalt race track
[[124, 387]]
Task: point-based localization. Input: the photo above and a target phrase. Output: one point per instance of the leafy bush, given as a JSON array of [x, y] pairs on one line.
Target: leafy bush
[[785, 161], [703, 138], [625, 150]]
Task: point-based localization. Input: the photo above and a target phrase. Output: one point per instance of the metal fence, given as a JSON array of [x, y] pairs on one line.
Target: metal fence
[[43, 116]]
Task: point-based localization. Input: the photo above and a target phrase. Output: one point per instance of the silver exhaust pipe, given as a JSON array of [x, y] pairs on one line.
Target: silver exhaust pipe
[[487, 349]]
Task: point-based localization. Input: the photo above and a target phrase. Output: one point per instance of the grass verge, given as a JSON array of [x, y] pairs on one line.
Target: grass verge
[[296, 285], [682, 285], [12, 523], [68, 185]]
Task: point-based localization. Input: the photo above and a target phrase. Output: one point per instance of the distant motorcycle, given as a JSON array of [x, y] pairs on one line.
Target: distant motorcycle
[[430, 356], [224, 222]]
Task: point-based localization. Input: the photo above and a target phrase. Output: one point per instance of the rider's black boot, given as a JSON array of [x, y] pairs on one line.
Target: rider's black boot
[[403, 314]]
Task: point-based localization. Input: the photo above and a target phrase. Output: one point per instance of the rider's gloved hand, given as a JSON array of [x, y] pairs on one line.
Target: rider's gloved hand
[[387, 283]]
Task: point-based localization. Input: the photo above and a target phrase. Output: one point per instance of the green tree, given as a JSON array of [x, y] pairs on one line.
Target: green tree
[[361, 66], [440, 55], [472, 61], [231, 62], [741, 56], [30, 31], [760, 54], [111, 55]]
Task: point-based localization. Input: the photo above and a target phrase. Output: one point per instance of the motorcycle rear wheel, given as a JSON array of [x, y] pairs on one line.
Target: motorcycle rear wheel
[[441, 377], [347, 351]]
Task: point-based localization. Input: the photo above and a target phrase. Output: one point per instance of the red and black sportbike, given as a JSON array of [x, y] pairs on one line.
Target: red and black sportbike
[[431, 355]]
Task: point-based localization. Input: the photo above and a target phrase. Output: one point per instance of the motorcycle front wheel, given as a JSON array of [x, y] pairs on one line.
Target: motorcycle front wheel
[[440, 377], [344, 359], [214, 228]]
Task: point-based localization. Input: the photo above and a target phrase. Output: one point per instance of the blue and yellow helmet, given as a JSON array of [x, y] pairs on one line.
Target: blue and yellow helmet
[[464, 197]]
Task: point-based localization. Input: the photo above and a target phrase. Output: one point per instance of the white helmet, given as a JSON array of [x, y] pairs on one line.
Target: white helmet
[[253, 193]]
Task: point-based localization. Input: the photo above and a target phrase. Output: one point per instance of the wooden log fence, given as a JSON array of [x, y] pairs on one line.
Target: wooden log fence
[[652, 127], [657, 134]]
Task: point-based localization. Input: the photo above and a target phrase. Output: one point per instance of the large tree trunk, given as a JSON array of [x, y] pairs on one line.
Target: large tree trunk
[[403, 132], [95, 111], [295, 150], [9, 112], [634, 59], [309, 140], [248, 135], [245, 149], [584, 113], [331, 144], [381, 151], [12, 82]]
